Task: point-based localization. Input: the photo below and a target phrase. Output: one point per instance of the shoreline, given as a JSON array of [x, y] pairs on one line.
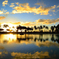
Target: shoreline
[[29, 32]]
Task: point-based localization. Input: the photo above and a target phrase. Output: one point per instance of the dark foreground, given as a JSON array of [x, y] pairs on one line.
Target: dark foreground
[[29, 32], [29, 46]]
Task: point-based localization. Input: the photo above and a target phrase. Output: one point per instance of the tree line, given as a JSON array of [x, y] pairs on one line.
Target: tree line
[[27, 29]]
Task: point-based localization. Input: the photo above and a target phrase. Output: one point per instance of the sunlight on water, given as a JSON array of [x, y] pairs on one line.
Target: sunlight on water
[[29, 45]]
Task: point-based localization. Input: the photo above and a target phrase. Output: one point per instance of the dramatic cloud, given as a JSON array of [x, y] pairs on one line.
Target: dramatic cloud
[[47, 21], [5, 2], [2, 17], [25, 8]]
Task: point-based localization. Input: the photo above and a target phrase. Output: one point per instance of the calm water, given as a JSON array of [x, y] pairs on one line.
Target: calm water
[[13, 46]]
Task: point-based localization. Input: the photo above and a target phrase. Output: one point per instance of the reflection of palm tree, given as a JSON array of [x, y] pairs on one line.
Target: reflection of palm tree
[[52, 37], [1, 30]]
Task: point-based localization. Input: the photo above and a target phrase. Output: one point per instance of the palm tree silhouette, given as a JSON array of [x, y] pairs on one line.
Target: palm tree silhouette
[[52, 28], [5, 25]]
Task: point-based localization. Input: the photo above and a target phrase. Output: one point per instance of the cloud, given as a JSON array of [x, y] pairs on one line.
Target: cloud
[[2, 17], [17, 3], [1, 12], [16, 23], [5, 2], [53, 10], [28, 24], [50, 15], [7, 13], [12, 5], [4, 12], [47, 21], [24, 23], [41, 4], [25, 8], [58, 6]]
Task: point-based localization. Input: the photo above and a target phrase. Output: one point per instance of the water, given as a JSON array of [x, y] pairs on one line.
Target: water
[[39, 46]]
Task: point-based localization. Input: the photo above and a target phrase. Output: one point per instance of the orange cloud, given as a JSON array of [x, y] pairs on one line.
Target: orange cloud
[[47, 21], [17, 23], [25, 8], [2, 17], [5, 2]]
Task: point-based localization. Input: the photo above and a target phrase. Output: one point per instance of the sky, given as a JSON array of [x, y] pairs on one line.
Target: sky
[[29, 12]]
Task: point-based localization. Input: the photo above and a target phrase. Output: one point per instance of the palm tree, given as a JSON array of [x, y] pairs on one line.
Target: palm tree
[[58, 28], [52, 28], [1, 30], [5, 25], [20, 28], [38, 28]]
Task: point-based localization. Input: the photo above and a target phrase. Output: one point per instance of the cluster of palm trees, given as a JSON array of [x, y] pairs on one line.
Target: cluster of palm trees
[[52, 28]]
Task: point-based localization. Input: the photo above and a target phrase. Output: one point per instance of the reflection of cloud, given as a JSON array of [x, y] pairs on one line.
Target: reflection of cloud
[[25, 8], [0, 53], [5, 2], [1, 47], [5, 52], [47, 21], [2, 17], [47, 43], [29, 55]]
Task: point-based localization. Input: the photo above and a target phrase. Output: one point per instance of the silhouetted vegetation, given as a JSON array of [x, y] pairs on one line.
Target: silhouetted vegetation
[[19, 28]]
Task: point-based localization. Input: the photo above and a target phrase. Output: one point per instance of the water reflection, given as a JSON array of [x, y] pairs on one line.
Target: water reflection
[[6, 38], [29, 45]]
